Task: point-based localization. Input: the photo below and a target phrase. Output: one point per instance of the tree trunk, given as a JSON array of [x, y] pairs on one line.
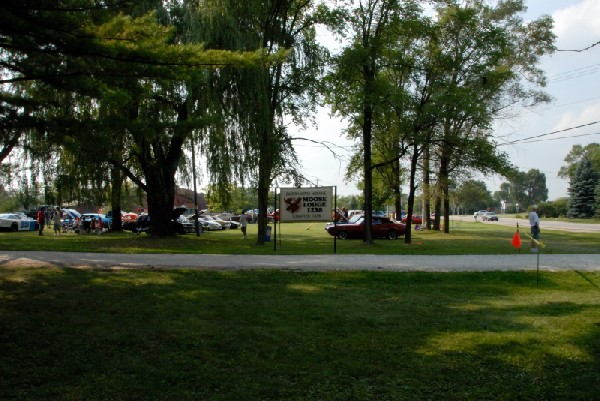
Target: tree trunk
[[426, 189], [369, 78], [411, 194], [397, 189], [159, 162], [161, 196], [115, 192], [446, 208], [437, 206], [368, 173], [443, 178], [263, 202]]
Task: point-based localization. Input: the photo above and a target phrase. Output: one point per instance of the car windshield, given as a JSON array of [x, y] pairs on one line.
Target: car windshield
[[355, 219]]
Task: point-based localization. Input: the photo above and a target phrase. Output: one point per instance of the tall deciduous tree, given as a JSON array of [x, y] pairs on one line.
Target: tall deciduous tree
[[357, 89], [255, 101], [490, 57]]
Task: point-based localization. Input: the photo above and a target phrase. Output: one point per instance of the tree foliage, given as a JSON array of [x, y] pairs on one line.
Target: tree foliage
[[130, 69], [578, 153], [473, 195], [426, 90], [584, 184]]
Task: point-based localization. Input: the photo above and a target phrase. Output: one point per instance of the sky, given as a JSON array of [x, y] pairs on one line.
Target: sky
[[573, 83]]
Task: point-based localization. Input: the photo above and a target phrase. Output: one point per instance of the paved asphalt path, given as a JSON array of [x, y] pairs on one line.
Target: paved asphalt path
[[398, 263]]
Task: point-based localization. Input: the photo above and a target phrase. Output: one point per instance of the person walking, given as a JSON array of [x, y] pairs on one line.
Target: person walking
[[41, 219], [243, 223], [534, 223]]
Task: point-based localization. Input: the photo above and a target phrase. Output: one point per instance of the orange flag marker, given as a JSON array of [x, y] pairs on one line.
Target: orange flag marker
[[516, 241]]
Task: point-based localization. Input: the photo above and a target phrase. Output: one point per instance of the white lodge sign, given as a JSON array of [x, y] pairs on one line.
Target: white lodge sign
[[305, 204]]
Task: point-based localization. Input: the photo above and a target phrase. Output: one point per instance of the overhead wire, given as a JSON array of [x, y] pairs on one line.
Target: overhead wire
[[535, 138], [580, 50]]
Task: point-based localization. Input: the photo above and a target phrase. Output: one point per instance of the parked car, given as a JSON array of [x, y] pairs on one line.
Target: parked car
[[224, 224], [489, 216], [234, 224], [381, 226], [273, 216], [479, 213], [30, 213], [209, 224], [86, 219], [352, 220], [416, 219], [180, 225], [17, 222]]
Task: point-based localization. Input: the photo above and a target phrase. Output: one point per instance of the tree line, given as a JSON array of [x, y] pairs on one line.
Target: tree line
[[104, 93]]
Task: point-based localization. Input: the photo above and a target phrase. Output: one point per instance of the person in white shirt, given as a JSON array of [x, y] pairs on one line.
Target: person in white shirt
[[243, 223], [534, 222]]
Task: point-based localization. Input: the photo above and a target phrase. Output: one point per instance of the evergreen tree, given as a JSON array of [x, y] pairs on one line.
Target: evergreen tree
[[582, 203]]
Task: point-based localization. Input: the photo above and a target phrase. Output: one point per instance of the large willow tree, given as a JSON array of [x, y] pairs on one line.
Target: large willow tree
[[249, 105]]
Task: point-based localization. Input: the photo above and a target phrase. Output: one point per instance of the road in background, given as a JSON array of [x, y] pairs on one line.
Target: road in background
[[549, 224]]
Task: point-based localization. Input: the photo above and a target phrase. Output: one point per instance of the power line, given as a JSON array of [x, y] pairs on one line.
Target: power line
[[535, 137], [554, 139], [580, 72], [581, 50]]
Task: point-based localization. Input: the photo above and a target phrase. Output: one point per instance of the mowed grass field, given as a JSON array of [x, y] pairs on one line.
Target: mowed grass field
[[310, 238], [69, 334]]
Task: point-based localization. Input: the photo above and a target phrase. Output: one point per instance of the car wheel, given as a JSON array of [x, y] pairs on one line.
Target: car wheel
[[14, 227], [392, 235], [343, 235]]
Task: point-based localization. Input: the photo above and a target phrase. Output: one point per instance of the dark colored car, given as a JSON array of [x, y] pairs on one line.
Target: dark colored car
[[382, 227], [142, 223], [86, 219]]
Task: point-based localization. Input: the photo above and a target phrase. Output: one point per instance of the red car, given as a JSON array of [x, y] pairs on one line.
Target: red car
[[416, 219], [355, 228]]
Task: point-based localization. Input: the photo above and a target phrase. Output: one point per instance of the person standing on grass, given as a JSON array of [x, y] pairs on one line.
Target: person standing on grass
[[41, 219], [243, 223], [56, 219], [48, 215], [534, 222]]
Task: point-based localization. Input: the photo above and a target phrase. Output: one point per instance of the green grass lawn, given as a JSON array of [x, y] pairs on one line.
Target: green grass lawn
[[68, 334], [309, 238]]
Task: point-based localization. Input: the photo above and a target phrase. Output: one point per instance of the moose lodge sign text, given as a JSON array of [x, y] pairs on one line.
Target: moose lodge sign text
[[306, 204]]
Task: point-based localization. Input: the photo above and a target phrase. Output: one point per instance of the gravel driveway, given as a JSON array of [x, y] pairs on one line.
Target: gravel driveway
[[399, 263]]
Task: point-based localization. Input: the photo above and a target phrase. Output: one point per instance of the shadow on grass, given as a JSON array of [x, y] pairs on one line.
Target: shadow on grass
[[181, 335]]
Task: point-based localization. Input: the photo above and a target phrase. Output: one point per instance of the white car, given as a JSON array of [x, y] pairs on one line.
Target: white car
[[17, 222], [209, 225], [490, 216], [479, 213]]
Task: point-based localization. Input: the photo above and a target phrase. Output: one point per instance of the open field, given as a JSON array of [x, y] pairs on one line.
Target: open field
[[466, 237], [143, 334], [266, 335]]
